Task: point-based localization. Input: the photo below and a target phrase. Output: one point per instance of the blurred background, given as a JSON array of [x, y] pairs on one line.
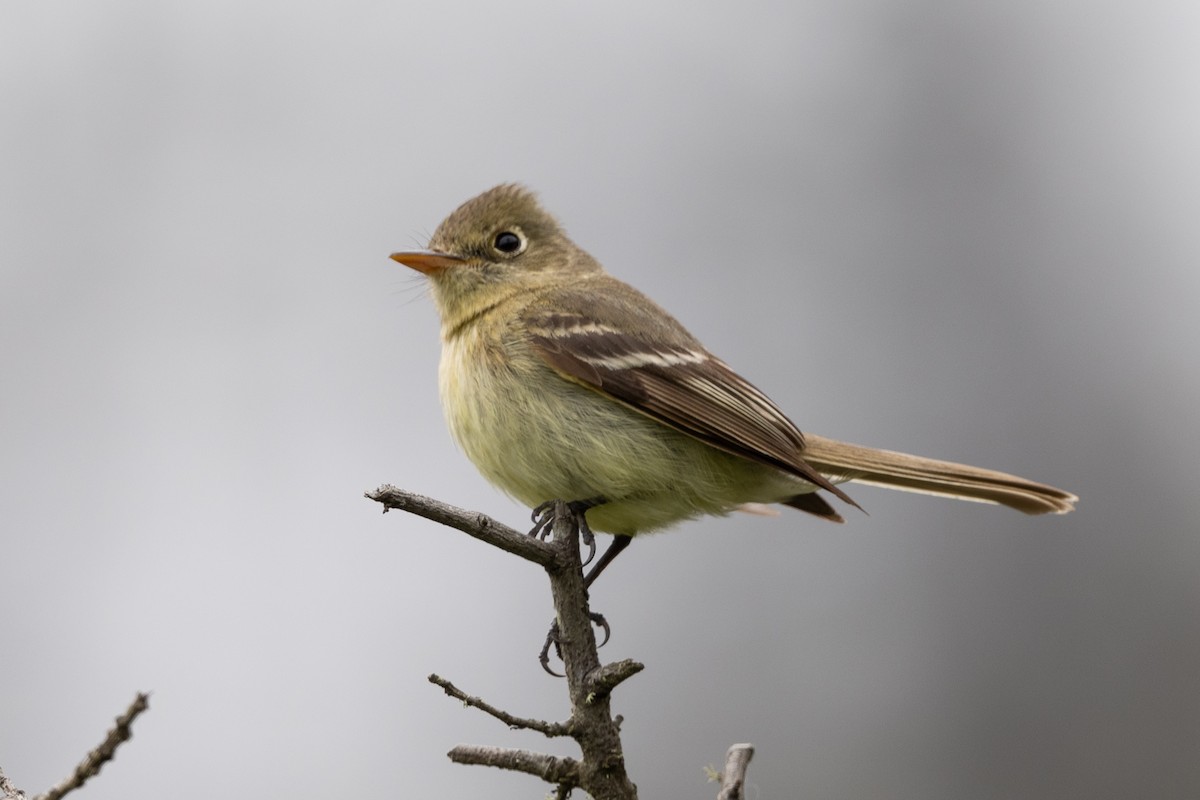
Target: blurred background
[[962, 230]]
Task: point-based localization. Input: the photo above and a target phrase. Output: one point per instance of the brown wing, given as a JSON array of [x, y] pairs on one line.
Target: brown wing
[[663, 372]]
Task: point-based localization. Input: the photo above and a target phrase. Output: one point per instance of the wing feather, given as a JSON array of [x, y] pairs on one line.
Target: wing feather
[[673, 379]]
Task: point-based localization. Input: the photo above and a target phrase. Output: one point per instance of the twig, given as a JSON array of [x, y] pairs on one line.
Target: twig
[[90, 766], [474, 524], [541, 726], [552, 769], [733, 782], [609, 676]]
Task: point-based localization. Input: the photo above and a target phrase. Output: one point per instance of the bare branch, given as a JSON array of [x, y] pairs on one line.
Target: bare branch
[[602, 769], [733, 782], [549, 768], [541, 726], [474, 524], [90, 766], [609, 676]]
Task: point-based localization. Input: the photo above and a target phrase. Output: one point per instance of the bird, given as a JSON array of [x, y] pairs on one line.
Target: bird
[[562, 382]]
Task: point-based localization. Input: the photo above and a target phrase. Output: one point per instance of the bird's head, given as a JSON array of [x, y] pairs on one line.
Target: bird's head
[[492, 246]]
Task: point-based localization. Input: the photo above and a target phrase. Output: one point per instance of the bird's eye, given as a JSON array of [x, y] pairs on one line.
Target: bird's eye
[[509, 243]]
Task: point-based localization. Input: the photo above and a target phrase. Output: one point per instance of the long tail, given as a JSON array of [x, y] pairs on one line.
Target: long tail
[[841, 461]]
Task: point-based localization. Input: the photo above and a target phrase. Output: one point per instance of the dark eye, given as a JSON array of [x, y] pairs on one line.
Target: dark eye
[[509, 242]]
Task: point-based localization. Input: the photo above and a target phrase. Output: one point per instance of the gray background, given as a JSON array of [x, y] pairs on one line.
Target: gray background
[[964, 230]]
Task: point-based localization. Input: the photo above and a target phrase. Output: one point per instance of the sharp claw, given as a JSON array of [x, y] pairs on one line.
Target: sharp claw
[[552, 639], [542, 516], [540, 510], [580, 510], [545, 659], [599, 621], [544, 656]]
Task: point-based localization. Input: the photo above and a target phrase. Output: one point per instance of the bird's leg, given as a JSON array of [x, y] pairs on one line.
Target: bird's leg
[[618, 544]]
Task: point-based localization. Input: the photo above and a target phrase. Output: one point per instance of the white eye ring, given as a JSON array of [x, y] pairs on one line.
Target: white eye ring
[[510, 242]]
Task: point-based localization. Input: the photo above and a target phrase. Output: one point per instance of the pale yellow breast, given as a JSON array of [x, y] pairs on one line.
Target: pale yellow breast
[[539, 436]]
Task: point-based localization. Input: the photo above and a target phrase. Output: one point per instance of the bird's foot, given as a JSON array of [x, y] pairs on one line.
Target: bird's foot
[[543, 522], [554, 638]]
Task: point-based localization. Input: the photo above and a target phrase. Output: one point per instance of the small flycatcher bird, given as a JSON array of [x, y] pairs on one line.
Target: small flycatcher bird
[[561, 382]]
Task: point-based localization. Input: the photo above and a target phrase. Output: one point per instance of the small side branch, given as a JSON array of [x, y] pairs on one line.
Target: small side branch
[[480, 526], [551, 769], [603, 680], [541, 726], [733, 781], [121, 732]]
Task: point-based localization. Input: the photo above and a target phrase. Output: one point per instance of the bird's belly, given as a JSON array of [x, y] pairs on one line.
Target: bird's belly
[[539, 436]]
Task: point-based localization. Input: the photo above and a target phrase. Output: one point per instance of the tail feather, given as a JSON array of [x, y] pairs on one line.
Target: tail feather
[[841, 461]]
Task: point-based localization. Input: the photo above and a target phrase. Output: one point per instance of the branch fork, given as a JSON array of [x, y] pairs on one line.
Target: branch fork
[[600, 771]]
